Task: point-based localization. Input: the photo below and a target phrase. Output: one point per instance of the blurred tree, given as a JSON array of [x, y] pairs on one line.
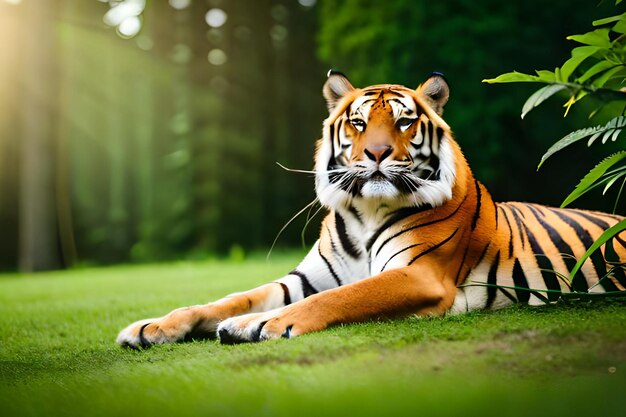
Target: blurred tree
[[38, 228], [10, 103]]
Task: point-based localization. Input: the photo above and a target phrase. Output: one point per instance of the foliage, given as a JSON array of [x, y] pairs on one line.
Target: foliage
[[405, 40], [57, 356], [596, 71]]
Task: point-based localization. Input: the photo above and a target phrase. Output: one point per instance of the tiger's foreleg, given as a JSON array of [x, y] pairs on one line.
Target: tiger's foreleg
[[201, 321], [400, 292]]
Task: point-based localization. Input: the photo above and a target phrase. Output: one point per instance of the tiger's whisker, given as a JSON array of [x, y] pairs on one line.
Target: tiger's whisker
[[282, 229]]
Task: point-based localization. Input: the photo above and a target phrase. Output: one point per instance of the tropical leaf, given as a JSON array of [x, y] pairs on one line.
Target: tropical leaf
[[620, 27], [573, 137], [610, 19], [516, 77], [592, 176], [540, 96], [612, 181], [546, 76], [512, 77], [579, 55], [604, 237], [618, 71], [598, 68], [598, 37]]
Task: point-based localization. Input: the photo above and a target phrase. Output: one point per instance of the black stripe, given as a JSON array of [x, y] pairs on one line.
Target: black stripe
[[596, 258], [495, 210], [398, 253], [395, 100], [395, 217], [478, 262], [339, 127], [418, 226], [520, 281], [286, 296], [458, 272], [478, 202], [332, 162], [348, 246], [578, 283], [492, 280], [329, 266], [336, 254], [507, 294], [521, 213], [506, 218], [438, 245], [545, 266], [439, 133], [611, 256], [538, 208], [355, 213], [598, 222], [307, 288], [518, 221], [431, 131]]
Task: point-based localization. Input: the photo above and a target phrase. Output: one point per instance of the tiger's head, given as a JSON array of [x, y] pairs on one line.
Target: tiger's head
[[385, 144]]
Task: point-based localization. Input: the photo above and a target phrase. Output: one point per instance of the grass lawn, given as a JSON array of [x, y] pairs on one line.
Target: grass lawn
[[58, 357]]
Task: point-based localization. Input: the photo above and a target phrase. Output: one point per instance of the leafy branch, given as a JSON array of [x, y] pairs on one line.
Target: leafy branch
[[596, 70]]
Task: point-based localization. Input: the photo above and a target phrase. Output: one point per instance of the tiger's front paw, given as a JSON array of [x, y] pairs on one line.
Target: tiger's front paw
[[168, 329], [258, 327]]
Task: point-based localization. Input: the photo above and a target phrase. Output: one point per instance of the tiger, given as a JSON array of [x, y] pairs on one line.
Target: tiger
[[409, 232]]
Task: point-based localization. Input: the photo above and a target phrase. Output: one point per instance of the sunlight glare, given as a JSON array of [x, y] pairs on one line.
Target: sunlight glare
[[180, 4], [129, 27], [216, 18], [122, 11]]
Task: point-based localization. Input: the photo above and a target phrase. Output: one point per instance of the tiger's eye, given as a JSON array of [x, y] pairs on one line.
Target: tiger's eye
[[404, 123], [358, 124]]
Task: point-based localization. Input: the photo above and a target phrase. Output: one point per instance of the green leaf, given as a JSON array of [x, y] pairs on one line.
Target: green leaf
[[611, 19], [601, 240], [517, 77], [540, 96], [598, 37], [546, 76], [612, 180], [620, 27], [573, 137], [512, 77], [613, 132], [595, 70], [592, 176], [579, 55], [608, 75]]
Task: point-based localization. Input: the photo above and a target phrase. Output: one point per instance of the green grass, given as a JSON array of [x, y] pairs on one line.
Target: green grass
[[58, 357]]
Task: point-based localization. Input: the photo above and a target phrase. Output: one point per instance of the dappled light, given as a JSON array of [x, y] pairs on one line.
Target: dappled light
[[216, 18], [150, 130], [125, 16]]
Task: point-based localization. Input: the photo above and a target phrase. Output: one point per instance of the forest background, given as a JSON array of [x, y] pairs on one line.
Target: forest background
[[139, 130]]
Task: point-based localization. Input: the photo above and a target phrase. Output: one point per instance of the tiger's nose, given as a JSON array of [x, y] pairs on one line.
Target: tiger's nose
[[378, 153]]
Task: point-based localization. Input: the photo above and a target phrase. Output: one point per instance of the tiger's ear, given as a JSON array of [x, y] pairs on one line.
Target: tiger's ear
[[336, 86], [435, 92]]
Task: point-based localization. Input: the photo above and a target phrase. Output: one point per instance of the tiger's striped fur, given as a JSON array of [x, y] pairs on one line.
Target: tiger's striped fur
[[409, 231]]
